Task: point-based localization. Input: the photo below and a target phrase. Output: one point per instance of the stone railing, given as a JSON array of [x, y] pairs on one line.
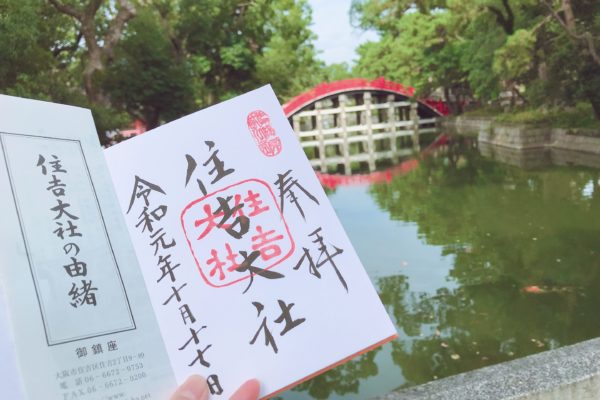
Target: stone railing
[[567, 373]]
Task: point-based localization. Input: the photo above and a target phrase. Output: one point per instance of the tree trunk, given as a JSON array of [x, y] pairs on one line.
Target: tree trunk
[[543, 71], [569, 16], [93, 64], [594, 99], [506, 22], [152, 119], [99, 50], [455, 104], [569, 23], [590, 76]]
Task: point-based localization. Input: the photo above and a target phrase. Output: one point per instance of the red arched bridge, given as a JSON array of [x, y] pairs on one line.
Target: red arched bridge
[[349, 123]]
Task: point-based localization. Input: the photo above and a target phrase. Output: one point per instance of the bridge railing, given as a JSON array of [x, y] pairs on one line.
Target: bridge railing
[[362, 127]]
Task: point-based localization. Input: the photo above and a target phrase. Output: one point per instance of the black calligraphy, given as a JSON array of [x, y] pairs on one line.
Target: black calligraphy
[[217, 171], [287, 185], [251, 234], [285, 317], [325, 256], [82, 291], [150, 223]]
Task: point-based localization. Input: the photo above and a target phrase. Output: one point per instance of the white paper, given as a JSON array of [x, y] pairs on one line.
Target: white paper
[[82, 320], [10, 381], [256, 150]]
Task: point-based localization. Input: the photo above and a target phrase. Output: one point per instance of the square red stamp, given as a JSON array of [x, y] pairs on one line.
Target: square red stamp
[[237, 224]]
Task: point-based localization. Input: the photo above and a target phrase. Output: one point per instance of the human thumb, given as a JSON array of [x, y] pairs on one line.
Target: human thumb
[[248, 391], [194, 388]]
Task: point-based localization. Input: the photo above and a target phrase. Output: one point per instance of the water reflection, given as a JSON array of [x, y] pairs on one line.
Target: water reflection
[[478, 262], [344, 379]]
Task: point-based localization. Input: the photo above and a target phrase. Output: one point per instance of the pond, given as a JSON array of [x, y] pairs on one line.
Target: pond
[[477, 262]]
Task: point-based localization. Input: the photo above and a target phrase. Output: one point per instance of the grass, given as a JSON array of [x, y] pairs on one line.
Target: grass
[[579, 117]]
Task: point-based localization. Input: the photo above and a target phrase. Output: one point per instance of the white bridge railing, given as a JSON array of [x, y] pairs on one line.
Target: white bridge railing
[[361, 128]]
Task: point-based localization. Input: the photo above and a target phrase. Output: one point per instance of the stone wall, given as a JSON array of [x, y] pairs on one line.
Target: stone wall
[[569, 139], [567, 373], [525, 158], [519, 136], [538, 157]]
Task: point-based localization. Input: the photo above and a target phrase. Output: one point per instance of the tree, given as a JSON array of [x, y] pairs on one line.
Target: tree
[[146, 79], [101, 27], [41, 52], [578, 32], [581, 29], [423, 50], [334, 72], [545, 52], [233, 46], [514, 60], [383, 15], [504, 17], [174, 57], [34, 47], [288, 58]]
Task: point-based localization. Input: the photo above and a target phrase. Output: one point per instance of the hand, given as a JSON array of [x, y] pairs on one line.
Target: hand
[[196, 388]]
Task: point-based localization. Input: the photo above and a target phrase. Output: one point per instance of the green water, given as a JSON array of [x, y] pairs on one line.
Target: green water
[[456, 247]]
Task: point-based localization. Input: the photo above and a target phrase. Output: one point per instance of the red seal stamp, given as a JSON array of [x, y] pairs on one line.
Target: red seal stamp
[[263, 133], [233, 225]]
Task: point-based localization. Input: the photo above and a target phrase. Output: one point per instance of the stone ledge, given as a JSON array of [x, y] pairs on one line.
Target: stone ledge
[[519, 136], [566, 373]]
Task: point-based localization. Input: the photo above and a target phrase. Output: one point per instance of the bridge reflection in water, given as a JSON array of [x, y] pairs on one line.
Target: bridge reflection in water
[[352, 124], [332, 181]]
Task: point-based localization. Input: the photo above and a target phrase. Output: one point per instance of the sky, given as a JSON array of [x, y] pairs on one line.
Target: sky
[[337, 39]]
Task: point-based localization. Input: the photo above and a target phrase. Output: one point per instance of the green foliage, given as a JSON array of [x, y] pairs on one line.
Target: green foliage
[[237, 46], [32, 35], [178, 55], [288, 60], [334, 72], [39, 53], [407, 57], [383, 15], [579, 116], [173, 57], [146, 79], [433, 45], [19, 47], [479, 48]]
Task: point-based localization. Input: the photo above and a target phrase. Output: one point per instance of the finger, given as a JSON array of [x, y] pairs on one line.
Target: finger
[[248, 391], [194, 388]]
